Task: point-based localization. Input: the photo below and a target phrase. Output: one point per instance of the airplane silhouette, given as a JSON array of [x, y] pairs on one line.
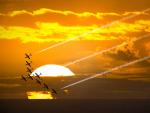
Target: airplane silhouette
[[28, 55], [45, 86], [38, 75], [28, 64], [39, 82], [30, 77], [53, 91], [29, 70], [23, 78]]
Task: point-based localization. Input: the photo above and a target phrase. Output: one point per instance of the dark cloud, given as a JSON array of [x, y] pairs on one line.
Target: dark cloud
[[127, 52]]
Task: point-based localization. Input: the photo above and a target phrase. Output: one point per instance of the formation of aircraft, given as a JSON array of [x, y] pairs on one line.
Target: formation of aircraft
[[29, 70], [44, 84]]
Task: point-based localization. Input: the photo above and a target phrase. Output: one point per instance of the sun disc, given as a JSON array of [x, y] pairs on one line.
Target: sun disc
[[53, 70]]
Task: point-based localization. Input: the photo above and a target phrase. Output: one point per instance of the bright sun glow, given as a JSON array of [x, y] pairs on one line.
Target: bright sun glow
[[39, 95], [53, 71]]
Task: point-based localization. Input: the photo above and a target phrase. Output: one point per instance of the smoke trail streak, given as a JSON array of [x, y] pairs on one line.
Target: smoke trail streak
[[106, 72], [103, 51], [92, 31]]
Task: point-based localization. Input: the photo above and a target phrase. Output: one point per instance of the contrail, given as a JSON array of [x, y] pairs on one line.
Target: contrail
[[103, 51], [92, 31], [108, 71]]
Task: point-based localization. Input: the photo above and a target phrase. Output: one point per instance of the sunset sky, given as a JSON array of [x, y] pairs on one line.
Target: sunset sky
[[30, 26]]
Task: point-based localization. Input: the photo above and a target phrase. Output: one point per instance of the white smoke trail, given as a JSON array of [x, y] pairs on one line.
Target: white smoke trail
[[103, 51], [92, 31], [106, 72]]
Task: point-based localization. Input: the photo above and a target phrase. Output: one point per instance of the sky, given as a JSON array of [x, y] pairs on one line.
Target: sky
[[30, 26]]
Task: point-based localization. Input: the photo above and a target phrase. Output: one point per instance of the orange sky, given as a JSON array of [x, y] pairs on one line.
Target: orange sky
[[32, 26]]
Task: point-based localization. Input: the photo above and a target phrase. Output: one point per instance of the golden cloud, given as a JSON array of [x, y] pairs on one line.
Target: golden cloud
[[136, 13], [98, 15], [66, 13], [46, 32]]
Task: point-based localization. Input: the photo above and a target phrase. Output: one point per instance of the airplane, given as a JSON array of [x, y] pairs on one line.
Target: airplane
[[29, 70], [30, 77], [28, 55], [53, 91], [39, 82], [45, 86], [23, 78], [27, 63], [38, 75]]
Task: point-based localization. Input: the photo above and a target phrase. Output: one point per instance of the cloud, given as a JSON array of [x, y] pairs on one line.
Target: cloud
[[47, 32], [66, 13], [9, 85], [71, 18], [127, 52], [136, 12], [41, 11], [132, 51]]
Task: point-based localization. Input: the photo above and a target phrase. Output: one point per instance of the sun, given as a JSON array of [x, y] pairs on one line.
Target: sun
[[52, 70]]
